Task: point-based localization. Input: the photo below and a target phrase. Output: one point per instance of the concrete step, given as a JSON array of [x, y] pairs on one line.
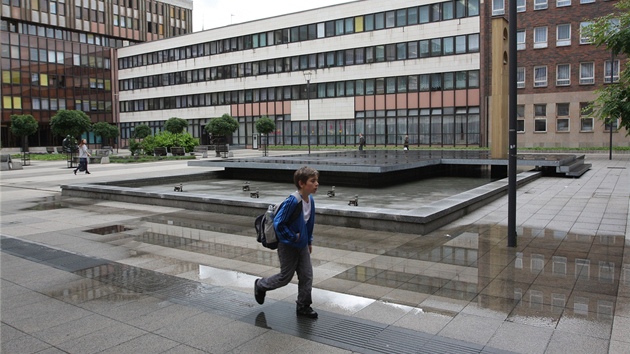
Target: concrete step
[[579, 171]]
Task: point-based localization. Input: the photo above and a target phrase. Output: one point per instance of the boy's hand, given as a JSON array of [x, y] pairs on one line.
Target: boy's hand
[[310, 249]]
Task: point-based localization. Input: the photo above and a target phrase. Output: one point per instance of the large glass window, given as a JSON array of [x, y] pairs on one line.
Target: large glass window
[[563, 75], [540, 37], [585, 37], [520, 40], [614, 73], [540, 4], [540, 76], [498, 7], [563, 35], [586, 119], [587, 73]]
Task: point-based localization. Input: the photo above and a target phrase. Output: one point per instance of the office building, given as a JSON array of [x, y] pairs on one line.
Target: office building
[[59, 54], [383, 69]]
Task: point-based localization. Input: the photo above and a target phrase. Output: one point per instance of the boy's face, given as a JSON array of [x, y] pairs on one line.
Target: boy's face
[[310, 187]]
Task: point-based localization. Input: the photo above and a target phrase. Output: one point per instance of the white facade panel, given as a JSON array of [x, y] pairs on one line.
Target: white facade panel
[[165, 114], [336, 108]]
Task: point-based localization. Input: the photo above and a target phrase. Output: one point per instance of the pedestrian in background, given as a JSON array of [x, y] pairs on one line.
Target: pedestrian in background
[[83, 158], [361, 142]]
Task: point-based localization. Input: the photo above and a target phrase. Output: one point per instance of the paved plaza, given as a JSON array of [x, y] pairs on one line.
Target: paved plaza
[[96, 276]]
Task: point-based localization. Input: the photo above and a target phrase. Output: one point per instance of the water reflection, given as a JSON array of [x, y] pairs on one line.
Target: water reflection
[[553, 273], [552, 279]]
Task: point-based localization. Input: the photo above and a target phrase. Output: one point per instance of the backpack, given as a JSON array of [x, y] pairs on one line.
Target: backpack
[[265, 232]]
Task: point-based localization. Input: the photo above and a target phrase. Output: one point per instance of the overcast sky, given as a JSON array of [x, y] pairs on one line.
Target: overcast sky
[[217, 13]]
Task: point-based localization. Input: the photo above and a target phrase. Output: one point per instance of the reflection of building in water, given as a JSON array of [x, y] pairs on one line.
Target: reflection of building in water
[[554, 271]]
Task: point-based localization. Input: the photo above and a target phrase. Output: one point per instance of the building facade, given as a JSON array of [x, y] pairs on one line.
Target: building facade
[[59, 54], [417, 68], [559, 70], [382, 69]]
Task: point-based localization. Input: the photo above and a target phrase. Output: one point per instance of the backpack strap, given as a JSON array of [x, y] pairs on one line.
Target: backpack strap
[[298, 208]]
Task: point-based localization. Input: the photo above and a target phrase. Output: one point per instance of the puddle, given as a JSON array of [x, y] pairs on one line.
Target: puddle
[[106, 230], [48, 206]]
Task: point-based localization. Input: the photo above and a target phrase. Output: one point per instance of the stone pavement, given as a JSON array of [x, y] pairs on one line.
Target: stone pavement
[[86, 276]]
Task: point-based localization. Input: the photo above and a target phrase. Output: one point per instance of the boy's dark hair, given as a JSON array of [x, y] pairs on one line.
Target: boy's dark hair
[[303, 174]]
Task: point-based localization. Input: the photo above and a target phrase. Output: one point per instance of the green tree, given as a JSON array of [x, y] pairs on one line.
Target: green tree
[[23, 125], [69, 122], [175, 126], [221, 127], [265, 125], [141, 131], [613, 32], [105, 130]]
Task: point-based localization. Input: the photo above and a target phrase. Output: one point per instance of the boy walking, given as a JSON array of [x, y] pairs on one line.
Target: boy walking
[[295, 236]]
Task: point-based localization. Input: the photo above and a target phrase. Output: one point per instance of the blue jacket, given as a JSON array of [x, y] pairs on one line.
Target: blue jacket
[[288, 233]]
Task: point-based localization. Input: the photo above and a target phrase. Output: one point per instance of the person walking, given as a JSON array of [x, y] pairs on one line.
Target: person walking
[[295, 236], [361, 142], [406, 143], [83, 158]]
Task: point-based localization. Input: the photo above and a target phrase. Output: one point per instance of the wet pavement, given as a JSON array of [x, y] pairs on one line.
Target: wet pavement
[[92, 276]]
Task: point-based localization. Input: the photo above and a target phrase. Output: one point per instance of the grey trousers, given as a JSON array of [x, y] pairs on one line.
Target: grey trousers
[[292, 260]]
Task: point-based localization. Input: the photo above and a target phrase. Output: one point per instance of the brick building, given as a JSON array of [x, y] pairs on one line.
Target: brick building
[[558, 71]]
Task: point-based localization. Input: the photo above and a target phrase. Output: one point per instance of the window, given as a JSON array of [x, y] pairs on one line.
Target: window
[[540, 76], [498, 7], [614, 73], [520, 118], [540, 125], [586, 122], [540, 37], [563, 3], [563, 75], [521, 5], [562, 114], [520, 40], [540, 4], [585, 37], [563, 35], [540, 118], [587, 74], [473, 43], [520, 77], [611, 123]]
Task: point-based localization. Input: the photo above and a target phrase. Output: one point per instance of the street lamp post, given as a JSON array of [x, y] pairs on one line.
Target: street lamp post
[[610, 121], [307, 76]]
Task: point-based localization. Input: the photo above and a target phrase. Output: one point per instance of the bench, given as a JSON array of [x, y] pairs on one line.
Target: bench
[[59, 149], [201, 150], [42, 150], [222, 150], [354, 201], [98, 156], [50, 149], [7, 164], [178, 151], [159, 151]]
